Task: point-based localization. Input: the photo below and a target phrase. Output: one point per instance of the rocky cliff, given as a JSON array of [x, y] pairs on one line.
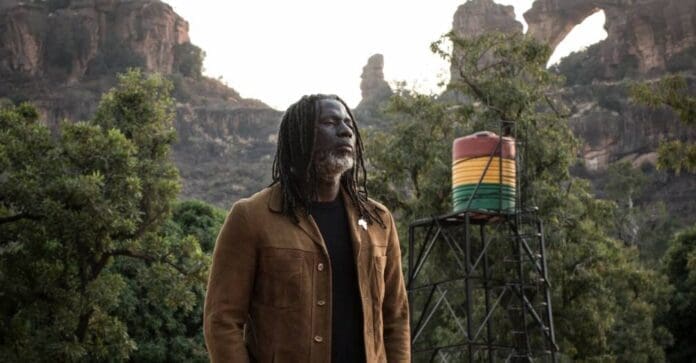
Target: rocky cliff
[[63, 54], [476, 17], [375, 93], [645, 40], [645, 37], [68, 40], [373, 87]]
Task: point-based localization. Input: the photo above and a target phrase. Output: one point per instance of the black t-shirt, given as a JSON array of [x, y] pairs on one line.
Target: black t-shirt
[[347, 344]]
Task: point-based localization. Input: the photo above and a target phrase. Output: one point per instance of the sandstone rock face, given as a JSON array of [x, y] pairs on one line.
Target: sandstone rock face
[[613, 128], [20, 48], [476, 17], [375, 94], [651, 36], [66, 43], [646, 39], [373, 86], [62, 55]]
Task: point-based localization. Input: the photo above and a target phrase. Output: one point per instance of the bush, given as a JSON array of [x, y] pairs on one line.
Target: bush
[[188, 60]]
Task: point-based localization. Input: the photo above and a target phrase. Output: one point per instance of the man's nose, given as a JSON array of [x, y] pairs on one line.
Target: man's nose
[[344, 130]]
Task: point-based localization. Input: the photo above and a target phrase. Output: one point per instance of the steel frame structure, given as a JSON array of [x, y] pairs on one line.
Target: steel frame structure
[[493, 301], [524, 294]]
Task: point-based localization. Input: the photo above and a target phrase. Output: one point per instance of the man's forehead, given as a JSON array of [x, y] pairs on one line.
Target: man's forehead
[[331, 105]]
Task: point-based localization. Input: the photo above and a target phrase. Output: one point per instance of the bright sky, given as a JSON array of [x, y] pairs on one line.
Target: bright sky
[[276, 51]]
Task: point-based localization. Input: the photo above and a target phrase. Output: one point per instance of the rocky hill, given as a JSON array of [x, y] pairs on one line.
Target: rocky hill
[[65, 41], [375, 91], [476, 17], [646, 39], [63, 54]]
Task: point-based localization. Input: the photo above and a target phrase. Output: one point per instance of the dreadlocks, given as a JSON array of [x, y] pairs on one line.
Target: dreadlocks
[[297, 175]]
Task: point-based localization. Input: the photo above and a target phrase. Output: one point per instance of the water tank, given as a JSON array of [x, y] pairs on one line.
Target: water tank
[[484, 173]]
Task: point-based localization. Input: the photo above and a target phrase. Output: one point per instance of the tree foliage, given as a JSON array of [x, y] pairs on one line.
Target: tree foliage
[[164, 329], [636, 223], [604, 301], [680, 266], [188, 60], [87, 255], [671, 91], [412, 157]]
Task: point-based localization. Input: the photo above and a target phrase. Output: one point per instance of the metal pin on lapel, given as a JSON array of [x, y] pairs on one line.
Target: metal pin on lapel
[[362, 223]]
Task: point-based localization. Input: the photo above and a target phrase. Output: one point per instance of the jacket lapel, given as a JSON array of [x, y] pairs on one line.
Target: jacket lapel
[[306, 224], [357, 233]]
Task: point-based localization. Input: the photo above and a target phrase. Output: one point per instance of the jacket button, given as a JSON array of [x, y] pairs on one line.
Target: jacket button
[[318, 339], [320, 267], [321, 302]]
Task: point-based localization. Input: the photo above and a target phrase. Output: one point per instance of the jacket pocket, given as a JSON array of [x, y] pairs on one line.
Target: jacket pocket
[[280, 280]]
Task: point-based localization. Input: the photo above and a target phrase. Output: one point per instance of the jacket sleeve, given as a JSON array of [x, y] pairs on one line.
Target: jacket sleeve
[[230, 286], [397, 337]]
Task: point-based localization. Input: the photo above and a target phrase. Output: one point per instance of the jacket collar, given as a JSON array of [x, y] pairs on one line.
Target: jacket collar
[[308, 225], [275, 200]]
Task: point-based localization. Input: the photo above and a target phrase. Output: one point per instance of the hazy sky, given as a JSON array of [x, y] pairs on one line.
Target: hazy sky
[[276, 51]]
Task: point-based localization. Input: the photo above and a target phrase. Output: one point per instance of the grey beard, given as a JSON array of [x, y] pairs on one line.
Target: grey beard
[[330, 165]]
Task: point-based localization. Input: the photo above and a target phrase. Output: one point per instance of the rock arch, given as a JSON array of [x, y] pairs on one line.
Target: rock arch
[[649, 35], [551, 21]]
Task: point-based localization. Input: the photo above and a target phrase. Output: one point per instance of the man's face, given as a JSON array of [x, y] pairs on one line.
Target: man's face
[[334, 144]]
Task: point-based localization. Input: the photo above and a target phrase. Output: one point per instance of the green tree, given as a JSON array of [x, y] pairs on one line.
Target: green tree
[[199, 219], [604, 302], [412, 157], [680, 266], [671, 91], [188, 60], [73, 209], [624, 185], [164, 329], [636, 223]]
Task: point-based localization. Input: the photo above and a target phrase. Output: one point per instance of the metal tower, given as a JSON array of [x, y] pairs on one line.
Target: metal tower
[[478, 285]]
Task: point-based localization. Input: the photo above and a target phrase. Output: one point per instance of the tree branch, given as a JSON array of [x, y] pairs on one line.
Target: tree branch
[[146, 258], [141, 229], [19, 216], [83, 324], [554, 108]]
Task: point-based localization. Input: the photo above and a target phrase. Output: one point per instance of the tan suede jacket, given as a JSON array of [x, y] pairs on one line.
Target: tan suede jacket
[[269, 291]]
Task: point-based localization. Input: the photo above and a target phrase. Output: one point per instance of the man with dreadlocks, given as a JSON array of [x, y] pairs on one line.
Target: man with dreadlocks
[[309, 269]]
